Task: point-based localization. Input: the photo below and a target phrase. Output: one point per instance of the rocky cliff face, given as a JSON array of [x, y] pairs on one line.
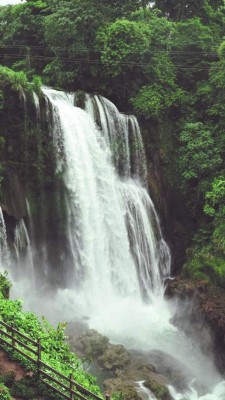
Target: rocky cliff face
[[28, 182], [160, 140]]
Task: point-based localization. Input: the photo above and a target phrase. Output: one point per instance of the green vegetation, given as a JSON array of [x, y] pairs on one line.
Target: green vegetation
[[5, 285], [26, 388], [4, 392], [55, 352], [17, 80]]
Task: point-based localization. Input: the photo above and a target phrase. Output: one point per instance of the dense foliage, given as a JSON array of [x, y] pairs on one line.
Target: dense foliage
[[163, 60]]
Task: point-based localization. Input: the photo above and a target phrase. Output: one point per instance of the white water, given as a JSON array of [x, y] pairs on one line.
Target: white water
[[23, 251], [37, 108], [143, 392], [119, 257], [121, 133], [119, 254], [4, 252], [217, 393], [103, 211]]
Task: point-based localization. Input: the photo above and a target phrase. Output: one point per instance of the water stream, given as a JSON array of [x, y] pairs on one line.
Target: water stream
[[4, 251]]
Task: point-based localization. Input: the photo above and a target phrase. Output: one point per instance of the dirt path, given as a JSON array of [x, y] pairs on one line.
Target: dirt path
[[7, 365]]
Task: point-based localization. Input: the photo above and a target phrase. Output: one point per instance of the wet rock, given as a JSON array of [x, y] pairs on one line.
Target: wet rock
[[115, 357], [176, 372], [123, 368], [76, 329], [159, 390], [13, 196], [90, 344], [126, 388], [205, 309]]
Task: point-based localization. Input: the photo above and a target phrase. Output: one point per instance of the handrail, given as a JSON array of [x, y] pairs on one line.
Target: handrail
[[72, 387], [11, 328]]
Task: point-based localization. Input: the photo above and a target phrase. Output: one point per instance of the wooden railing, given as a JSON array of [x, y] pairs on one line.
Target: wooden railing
[[72, 389]]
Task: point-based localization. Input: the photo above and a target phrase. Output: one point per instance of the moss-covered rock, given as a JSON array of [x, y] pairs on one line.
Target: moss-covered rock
[[121, 368], [161, 392], [91, 343], [114, 357], [121, 389]]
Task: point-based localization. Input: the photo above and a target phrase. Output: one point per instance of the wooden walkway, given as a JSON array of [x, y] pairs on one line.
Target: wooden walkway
[[61, 384]]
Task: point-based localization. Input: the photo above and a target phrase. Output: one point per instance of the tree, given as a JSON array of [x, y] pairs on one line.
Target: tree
[[192, 50], [22, 38], [199, 156], [153, 100], [119, 8], [179, 10], [123, 44], [216, 101], [70, 32], [215, 197]]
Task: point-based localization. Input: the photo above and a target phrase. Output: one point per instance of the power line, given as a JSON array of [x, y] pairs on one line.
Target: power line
[[207, 54], [81, 50], [99, 62]]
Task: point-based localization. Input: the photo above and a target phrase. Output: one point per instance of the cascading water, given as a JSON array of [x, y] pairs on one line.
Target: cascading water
[[104, 211], [23, 250], [143, 392], [116, 257], [4, 252], [37, 108], [122, 134]]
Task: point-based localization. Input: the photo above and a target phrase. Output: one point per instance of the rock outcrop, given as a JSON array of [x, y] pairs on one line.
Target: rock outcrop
[[122, 369], [204, 306]]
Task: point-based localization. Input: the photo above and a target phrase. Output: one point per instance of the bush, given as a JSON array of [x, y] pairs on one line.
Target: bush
[[206, 264], [17, 80], [55, 352], [5, 285]]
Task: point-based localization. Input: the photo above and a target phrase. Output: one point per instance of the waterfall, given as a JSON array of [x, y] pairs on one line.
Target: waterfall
[[111, 223], [218, 393], [4, 252], [37, 108], [104, 258], [23, 251], [118, 258], [143, 392], [122, 134]]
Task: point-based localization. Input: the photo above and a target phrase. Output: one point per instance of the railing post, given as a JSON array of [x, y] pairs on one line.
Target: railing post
[[13, 334], [39, 354], [107, 397], [71, 386]]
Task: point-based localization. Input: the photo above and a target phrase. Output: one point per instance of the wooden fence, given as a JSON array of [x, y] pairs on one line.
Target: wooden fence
[[72, 389]]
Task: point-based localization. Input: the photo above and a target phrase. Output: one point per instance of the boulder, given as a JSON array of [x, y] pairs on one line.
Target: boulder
[[122, 368]]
